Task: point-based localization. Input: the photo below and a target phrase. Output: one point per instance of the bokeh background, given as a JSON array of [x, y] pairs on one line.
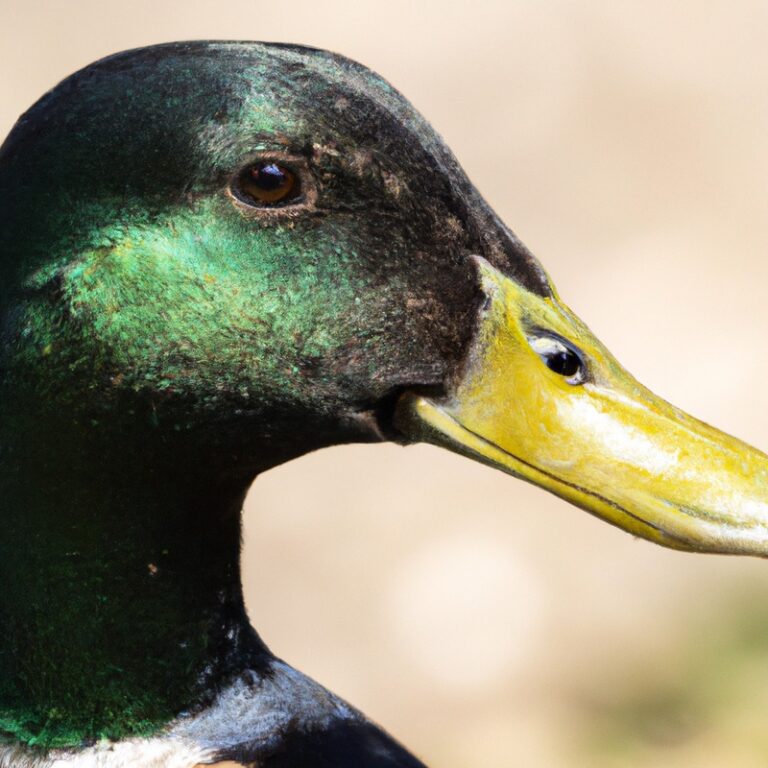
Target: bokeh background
[[482, 621]]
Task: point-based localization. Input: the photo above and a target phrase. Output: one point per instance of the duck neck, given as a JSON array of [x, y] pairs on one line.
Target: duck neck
[[121, 604]]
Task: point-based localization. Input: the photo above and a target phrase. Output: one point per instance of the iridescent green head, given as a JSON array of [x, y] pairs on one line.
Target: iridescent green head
[[136, 264]]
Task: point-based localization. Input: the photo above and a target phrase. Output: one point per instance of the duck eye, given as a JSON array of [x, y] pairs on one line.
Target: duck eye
[[269, 184], [559, 357]]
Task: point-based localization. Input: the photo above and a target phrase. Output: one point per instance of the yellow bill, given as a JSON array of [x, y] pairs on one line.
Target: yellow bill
[[541, 398]]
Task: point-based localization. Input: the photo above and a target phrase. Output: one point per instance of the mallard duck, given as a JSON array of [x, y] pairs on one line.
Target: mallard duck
[[220, 256]]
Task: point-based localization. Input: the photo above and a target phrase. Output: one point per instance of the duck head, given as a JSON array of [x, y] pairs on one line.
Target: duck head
[[267, 250], [215, 257]]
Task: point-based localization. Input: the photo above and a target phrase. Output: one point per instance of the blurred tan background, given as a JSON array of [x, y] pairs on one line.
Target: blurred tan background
[[482, 621]]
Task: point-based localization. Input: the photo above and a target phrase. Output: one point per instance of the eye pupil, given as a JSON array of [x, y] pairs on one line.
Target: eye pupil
[[564, 361], [268, 176]]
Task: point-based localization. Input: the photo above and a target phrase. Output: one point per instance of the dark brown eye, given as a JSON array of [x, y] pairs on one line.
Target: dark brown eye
[[269, 184], [559, 357]]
